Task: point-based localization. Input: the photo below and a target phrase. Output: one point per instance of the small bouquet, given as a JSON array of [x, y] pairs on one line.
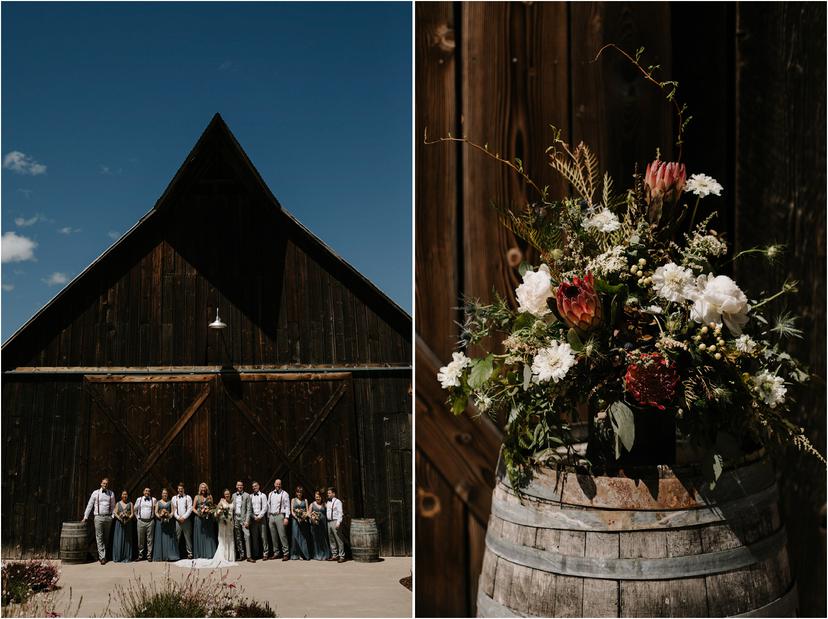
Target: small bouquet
[[314, 518], [164, 514], [206, 509], [221, 513], [300, 514]]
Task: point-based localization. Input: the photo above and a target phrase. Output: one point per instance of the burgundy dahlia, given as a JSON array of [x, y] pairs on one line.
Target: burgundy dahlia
[[652, 380], [578, 303]]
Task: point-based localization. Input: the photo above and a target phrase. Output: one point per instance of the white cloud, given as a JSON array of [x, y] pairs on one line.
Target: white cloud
[[22, 222], [68, 230], [114, 235], [22, 164], [8, 287], [17, 248], [56, 279]]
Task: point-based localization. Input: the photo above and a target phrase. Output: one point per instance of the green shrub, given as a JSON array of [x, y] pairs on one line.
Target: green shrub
[[213, 595]]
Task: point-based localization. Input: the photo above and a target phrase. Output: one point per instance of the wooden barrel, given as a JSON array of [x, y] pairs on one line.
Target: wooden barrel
[[655, 542], [74, 542], [364, 539]]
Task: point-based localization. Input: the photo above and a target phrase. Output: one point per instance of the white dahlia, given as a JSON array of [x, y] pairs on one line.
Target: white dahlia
[[703, 185], [673, 282], [552, 362]]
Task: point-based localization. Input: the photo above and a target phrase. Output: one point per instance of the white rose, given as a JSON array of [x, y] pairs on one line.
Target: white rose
[[534, 291], [449, 375], [718, 299]]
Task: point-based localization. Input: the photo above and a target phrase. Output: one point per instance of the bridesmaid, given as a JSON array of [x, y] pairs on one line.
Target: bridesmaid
[[205, 534], [299, 533], [124, 518], [321, 549], [165, 545]]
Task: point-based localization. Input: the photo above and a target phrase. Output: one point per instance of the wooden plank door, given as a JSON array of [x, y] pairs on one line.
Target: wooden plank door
[[146, 431], [299, 428]]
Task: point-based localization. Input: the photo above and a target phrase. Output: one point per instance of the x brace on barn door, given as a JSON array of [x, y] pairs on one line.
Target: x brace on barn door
[[288, 461], [150, 459]]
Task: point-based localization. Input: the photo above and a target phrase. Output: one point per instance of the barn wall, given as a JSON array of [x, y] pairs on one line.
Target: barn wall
[[216, 238], [499, 73]]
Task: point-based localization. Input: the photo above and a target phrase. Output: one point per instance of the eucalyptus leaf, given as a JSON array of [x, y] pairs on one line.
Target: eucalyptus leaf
[[623, 424], [527, 376], [481, 372], [574, 340]]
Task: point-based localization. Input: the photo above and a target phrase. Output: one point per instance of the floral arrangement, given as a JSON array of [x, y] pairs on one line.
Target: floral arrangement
[[314, 517], [628, 318], [300, 513], [164, 514], [206, 509]]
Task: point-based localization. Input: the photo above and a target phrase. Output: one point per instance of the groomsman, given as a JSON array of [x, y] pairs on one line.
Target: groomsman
[[242, 512], [334, 513], [102, 504], [145, 516], [258, 525], [182, 508], [278, 509]]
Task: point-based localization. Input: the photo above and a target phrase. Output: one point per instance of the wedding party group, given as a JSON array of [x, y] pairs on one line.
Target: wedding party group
[[238, 527]]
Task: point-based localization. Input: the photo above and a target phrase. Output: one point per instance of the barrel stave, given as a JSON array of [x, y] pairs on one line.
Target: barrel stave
[[534, 565]]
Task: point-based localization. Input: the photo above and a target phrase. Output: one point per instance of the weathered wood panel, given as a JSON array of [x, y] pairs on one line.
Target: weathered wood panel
[[780, 197]]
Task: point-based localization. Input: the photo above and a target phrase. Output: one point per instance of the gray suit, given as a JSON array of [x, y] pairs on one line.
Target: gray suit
[[241, 534]]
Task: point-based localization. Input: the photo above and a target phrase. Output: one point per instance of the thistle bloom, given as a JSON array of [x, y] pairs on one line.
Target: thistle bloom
[[664, 181], [652, 380], [578, 303]]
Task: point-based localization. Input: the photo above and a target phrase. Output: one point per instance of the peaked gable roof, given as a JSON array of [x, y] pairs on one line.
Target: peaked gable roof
[[217, 132]]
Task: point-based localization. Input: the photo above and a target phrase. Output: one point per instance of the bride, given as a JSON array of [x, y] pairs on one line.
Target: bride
[[226, 552]]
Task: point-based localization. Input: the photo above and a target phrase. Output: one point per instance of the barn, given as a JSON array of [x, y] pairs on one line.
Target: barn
[[120, 375]]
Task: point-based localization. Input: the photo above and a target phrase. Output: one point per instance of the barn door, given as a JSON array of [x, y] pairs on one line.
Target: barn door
[[299, 428], [147, 431]]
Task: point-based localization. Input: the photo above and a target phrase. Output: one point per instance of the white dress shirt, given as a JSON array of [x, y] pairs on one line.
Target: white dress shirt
[[183, 506], [278, 503], [237, 502], [144, 507], [101, 503], [259, 503], [334, 511]]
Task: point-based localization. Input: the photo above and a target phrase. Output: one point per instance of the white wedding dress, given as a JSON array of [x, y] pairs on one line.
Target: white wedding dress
[[225, 553]]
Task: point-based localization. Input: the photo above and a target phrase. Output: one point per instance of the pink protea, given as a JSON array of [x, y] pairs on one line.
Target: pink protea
[[664, 181], [652, 380], [578, 303]]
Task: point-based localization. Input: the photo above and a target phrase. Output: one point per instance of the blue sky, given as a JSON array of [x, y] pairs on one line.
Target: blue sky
[[102, 101]]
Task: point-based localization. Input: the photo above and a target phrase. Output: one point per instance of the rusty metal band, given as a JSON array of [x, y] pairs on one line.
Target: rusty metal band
[[639, 569], [545, 516], [784, 606]]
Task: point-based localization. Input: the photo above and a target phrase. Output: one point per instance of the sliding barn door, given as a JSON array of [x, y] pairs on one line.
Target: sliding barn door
[[299, 428], [146, 431]]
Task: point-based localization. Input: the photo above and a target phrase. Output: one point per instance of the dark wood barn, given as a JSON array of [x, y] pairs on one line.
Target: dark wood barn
[[120, 375], [500, 73]]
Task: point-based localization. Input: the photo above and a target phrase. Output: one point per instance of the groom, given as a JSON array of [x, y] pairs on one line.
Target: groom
[[242, 512]]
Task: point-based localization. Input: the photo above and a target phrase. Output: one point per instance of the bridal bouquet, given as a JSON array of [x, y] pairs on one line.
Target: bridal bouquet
[[314, 517], [221, 513], [300, 514], [628, 318], [206, 510]]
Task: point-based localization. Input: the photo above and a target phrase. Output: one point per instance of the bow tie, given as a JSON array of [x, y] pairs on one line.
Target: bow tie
[[255, 494]]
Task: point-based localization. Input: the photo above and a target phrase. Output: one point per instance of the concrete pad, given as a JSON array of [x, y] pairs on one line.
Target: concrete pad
[[293, 588]]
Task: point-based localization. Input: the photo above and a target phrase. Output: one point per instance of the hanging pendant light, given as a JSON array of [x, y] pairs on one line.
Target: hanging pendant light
[[217, 323]]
